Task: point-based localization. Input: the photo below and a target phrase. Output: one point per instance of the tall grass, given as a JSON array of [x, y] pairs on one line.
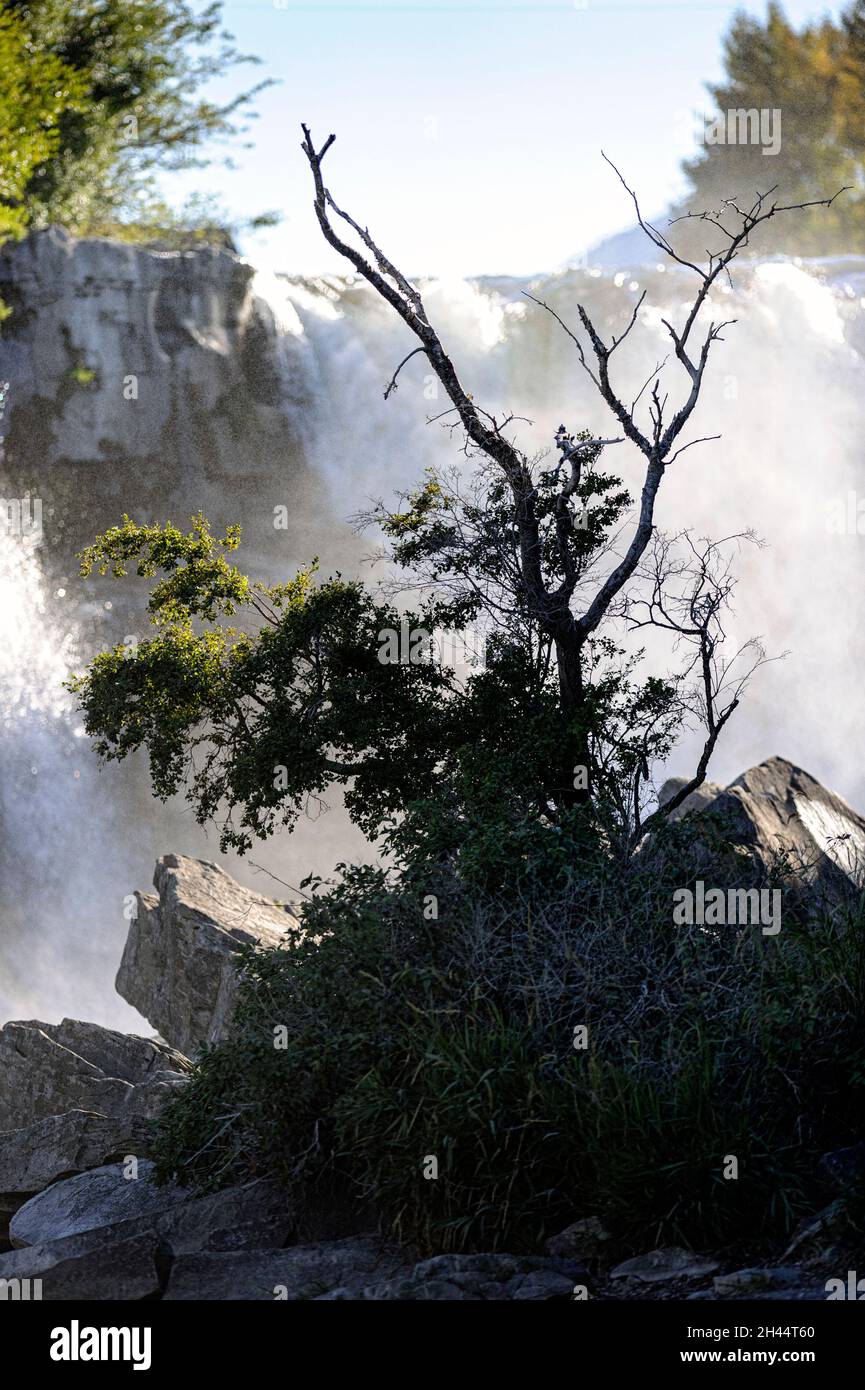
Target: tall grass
[[406, 1039]]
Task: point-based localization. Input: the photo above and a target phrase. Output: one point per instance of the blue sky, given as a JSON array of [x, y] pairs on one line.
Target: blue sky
[[469, 136]]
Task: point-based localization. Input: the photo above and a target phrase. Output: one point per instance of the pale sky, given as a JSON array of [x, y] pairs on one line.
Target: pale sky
[[469, 135]]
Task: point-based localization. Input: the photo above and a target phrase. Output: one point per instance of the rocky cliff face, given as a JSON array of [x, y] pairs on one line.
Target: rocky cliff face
[[111, 348], [141, 380], [177, 965]]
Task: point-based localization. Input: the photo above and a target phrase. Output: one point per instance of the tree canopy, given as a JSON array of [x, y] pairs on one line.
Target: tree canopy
[[37, 91], [104, 95], [815, 77]]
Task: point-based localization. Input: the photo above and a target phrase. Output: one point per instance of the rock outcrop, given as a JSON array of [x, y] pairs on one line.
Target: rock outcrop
[[664, 1267], [73, 1096], [777, 809], [178, 964], [114, 1202], [696, 801], [99, 1199], [48, 1069], [79, 1268], [162, 369], [33, 1157]]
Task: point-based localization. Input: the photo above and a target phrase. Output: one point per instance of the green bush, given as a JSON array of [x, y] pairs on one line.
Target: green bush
[[404, 1038]]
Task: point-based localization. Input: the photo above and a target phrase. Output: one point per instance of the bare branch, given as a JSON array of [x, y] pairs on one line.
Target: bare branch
[[704, 439], [543, 305], [392, 386]]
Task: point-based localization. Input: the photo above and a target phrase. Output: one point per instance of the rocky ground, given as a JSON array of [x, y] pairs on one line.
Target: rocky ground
[[80, 1213]]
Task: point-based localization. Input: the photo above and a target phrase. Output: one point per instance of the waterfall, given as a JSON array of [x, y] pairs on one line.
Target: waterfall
[[58, 832]]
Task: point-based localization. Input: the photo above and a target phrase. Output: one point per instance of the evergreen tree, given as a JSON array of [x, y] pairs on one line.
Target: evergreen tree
[[815, 78]]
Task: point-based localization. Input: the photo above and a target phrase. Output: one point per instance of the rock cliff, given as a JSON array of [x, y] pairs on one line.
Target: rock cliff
[[139, 380]]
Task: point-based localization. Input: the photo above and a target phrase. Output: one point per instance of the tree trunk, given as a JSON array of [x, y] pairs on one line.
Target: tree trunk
[[573, 788]]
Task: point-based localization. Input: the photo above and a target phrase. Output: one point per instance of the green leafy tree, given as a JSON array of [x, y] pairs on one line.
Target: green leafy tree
[[38, 92], [141, 66], [551, 739]]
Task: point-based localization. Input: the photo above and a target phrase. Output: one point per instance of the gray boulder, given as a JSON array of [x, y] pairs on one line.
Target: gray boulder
[[300, 1272], [178, 964], [256, 1216], [37, 1155], [697, 800], [474, 1278], [664, 1266], [77, 1268], [777, 809], [102, 1208], [50, 1069], [100, 1197]]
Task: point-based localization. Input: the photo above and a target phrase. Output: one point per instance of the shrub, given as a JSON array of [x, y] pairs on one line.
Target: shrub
[[405, 1038]]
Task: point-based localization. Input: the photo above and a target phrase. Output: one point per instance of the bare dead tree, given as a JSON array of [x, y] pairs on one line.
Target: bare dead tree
[[551, 607]]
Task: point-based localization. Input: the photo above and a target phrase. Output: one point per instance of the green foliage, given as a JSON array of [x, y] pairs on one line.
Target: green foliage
[[461, 537], [102, 95], [277, 714], [199, 221], [476, 769], [406, 1037], [38, 91], [815, 76]]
